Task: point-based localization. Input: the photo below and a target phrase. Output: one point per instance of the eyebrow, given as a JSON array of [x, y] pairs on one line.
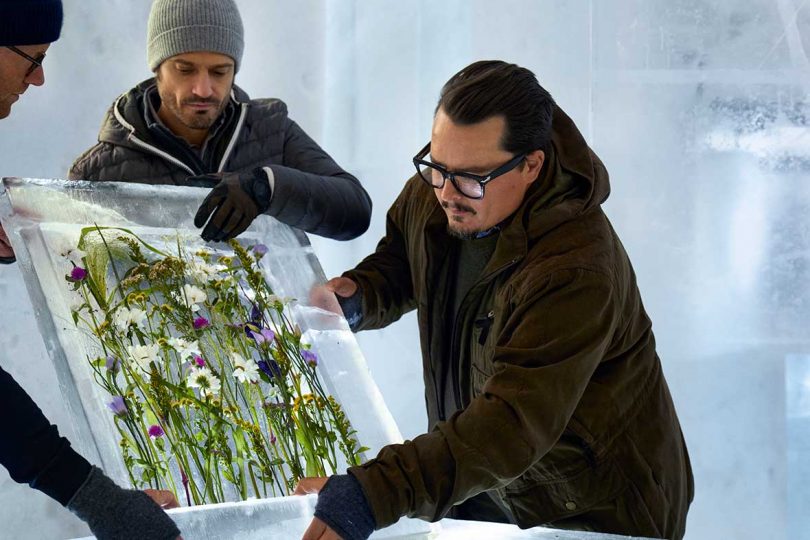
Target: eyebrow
[[186, 63], [480, 171]]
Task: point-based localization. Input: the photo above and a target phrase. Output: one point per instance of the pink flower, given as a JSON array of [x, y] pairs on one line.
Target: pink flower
[[155, 431], [199, 360], [201, 322]]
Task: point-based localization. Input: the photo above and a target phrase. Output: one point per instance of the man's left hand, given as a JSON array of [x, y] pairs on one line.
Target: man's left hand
[[233, 203], [318, 530]]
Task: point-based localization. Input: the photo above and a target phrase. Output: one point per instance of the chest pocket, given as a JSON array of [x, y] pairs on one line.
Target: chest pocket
[[481, 351]]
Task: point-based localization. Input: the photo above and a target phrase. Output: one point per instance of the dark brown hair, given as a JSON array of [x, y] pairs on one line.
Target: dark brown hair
[[494, 88]]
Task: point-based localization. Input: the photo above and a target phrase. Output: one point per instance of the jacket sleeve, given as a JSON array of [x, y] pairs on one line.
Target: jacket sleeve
[[311, 191], [384, 278], [31, 448], [545, 355]]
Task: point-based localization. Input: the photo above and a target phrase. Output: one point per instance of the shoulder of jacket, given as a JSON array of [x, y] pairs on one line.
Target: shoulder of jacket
[[272, 106]]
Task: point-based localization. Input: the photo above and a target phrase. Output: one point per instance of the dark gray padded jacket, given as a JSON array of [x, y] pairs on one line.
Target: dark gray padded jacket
[[311, 191]]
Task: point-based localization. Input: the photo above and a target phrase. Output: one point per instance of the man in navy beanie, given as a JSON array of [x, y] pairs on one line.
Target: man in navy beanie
[[30, 446]]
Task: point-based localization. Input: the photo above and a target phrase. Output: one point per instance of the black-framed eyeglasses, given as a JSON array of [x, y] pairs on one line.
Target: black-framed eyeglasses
[[36, 62], [468, 184]]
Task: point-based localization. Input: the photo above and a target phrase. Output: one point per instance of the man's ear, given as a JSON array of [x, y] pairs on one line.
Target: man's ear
[[533, 164]]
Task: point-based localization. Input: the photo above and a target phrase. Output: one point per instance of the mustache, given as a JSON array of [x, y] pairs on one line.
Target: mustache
[[209, 101], [458, 206]]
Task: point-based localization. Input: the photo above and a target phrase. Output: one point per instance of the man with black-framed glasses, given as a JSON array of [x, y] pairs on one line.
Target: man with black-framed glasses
[[546, 399]]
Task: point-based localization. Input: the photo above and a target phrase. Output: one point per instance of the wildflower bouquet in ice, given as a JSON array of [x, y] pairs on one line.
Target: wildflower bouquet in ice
[[213, 392]]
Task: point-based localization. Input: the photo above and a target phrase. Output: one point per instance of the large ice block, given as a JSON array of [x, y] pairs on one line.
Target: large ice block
[[44, 219]]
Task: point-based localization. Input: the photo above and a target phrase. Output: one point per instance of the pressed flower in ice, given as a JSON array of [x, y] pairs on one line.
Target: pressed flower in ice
[[191, 296], [184, 348], [112, 363], [155, 431], [78, 273], [265, 335], [117, 406], [244, 370], [309, 357], [205, 272], [208, 383], [144, 355], [125, 317], [260, 250], [199, 361], [200, 323], [269, 368]]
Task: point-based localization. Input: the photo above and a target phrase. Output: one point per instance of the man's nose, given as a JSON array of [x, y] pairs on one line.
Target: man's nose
[[36, 77], [203, 86]]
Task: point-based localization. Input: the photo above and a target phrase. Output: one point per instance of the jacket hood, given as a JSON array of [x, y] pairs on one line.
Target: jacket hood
[[125, 116], [573, 180]]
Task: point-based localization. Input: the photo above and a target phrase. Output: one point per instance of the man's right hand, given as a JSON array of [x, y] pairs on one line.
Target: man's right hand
[[324, 296], [6, 253], [342, 286]]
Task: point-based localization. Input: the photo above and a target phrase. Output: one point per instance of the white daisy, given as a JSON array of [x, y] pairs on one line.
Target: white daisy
[[191, 296], [244, 370], [124, 318], [144, 355], [205, 380], [184, 348], [204, 272]]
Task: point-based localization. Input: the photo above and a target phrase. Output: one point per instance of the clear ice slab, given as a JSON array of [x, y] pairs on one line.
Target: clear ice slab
[[43, 219]]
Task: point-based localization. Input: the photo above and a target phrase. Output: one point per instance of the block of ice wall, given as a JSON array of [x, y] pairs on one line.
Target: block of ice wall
[[43, 219]]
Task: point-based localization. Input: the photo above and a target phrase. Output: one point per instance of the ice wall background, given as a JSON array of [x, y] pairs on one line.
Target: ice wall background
[[698, 108]]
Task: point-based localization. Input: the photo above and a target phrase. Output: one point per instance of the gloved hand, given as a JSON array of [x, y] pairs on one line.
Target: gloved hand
[[122, 514], [233, 203]]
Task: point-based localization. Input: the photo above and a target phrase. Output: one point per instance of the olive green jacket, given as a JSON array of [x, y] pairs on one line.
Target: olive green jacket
[[566, 414]]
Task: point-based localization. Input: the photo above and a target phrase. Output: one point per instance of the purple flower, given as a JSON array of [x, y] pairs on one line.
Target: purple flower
[[112, 363], [117, 406], [260, 250], [78, 273], [264, 336], [199, 360], [271, 368], [255, 314], [309, 357], [155, 431], [201, 322], [272, 438]]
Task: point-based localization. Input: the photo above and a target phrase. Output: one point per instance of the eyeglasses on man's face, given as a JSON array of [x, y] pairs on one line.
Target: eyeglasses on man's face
[[468, 184], [36, 62]]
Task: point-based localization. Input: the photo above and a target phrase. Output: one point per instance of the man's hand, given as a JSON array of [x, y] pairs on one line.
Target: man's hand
[[341, 286], [323, 296], [233, 203], [318, 530], [6, 253], [163, 498], [310, 485]]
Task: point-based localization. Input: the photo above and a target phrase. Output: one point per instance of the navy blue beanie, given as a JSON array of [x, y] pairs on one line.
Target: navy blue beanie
[[30, 22]]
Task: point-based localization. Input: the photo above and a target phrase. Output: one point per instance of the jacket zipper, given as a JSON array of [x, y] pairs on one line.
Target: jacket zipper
[[132, 137]]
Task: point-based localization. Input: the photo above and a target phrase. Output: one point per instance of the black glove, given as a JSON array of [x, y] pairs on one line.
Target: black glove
[[233, 203], [122, 514]]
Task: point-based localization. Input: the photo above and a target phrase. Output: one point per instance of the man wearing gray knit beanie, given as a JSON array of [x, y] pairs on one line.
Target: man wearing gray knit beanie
[[191, 125]]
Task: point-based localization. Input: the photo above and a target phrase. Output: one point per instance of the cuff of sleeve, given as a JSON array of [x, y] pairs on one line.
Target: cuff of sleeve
[[352, 307], [343, 507], [63, 476]]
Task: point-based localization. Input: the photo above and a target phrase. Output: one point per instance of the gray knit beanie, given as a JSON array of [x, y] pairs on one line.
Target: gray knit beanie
[[181, 26]]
